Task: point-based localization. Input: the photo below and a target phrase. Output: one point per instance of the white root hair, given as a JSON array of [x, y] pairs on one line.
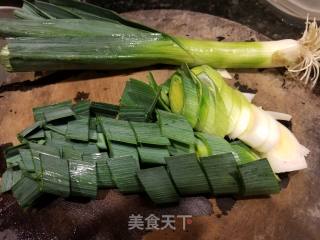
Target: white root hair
[[307, 69]]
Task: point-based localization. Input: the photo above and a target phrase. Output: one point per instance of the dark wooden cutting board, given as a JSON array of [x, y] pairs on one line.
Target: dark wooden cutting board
[[292, 214]]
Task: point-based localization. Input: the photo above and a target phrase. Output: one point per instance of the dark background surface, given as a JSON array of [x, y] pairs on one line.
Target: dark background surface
[[257, 14]]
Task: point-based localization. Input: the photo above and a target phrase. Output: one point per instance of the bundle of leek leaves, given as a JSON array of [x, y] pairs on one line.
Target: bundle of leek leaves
[[140, 145], [58, 34]]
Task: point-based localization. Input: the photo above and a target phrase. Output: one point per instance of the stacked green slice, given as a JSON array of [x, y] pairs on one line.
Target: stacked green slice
[[74, 149]]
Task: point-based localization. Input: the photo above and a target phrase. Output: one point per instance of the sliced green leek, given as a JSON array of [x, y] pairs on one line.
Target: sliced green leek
[[258, 178], [9, 179], [83, 178], [27, 160], [117, 130], [184, 95], [82, 108], [153, 155], [158, 185], [55, 177], [175, 127], [120, 150], [187, 174], [26, 191], [149, 133], [124, 174], [104, 109], [222, 173], [78, 130]]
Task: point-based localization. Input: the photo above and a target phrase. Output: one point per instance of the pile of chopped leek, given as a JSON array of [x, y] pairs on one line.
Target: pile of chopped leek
[[58, 34], [138, 146]]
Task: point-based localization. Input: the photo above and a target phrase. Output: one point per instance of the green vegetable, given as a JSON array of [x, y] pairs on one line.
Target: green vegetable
[[139, 94], [175, 127], [26, 191], [78, 130], [27, 160], [117, 130], [157, 184], [55, 177], [184, 95], [124, 174], [153, 154], [149, 133], [258, 178], [187, 174], [222, 173], [9, 179], [128, 44], [119, 150], [104, 109], [83, 178]]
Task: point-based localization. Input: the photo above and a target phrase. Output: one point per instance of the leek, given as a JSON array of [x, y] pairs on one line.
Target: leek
[[124, 174], [158, 185], [101, 39], [187, 174], [225, 111]]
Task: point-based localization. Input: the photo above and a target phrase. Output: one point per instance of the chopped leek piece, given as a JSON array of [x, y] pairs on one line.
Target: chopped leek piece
[[104, 109], [83, 178], [55, 175], [138, 93], [133, 113], [245, 153], [69, 153], [85, 147], [9, 178], [37, 135], [62, 112], [93, 129], [153, 155], [124, 173], [117, 130], [101, 141], [38, 149], [222, 173], [26, 191], [158, 91], [149, 133], [92, 157], [214, 144], [78, 130], [201, 148], [184, 96], [119, 150], [29, 130], [158, 185], [104, 178], [82, 108], [39, 112], [27, 160], [175, 127], [187, 174], [178, 148], [58, 128], [13, 161], [258, 178]]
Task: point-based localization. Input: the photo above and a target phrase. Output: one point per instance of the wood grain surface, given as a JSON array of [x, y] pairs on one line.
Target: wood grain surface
[[293, 214]]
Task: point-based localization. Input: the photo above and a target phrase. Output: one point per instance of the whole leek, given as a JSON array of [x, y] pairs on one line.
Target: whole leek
[[71, 35]]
